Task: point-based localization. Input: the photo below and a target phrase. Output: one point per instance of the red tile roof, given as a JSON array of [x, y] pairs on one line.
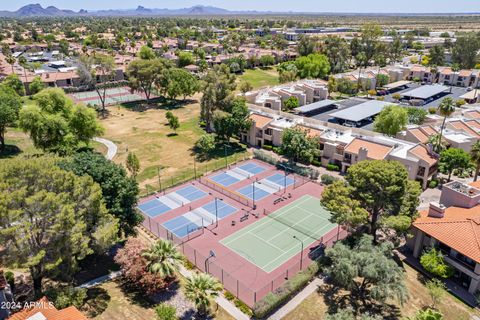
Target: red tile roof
[[49, 311], [375, 151]]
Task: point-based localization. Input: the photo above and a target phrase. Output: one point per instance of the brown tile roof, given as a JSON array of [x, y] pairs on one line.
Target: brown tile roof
[[311, 132], [474, 114], [260, 121], [419, 134], [422, 152], [459, 229], [49, 311], [446, 71], [375, 151], [473, 124], [429, 130], [460, 125], [465, 73]]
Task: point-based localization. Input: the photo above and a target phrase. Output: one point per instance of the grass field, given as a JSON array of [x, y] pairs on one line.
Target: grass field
[[316, 307], [260, 78], [147, 134]]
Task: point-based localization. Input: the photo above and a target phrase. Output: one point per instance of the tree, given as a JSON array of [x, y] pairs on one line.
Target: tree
[[174, 123], [146, 53], [313, 66], [298, 146], [446, 108], [95, 72], [134, 267], [433, 262], [437, 56], [166, 312], [185, 58], [163, 259], [338, 52], [133, 164], [50, 218], [228, 124], [453, 159], [382, 80], [144, 75], [36, 86], [10, 103], [369, 43], [181, 83], [428, 314], [205, 144], [391, 120], [201, 289], [306, 45], [475, 155], [465, 51], [217, 93], [57, 125], [395, 49], [345, 86], [14, 82], [245, 87], [291, 103], [436, 290], [378, 194], [416, 115], [267, 60], [118, 190], [367, 271]]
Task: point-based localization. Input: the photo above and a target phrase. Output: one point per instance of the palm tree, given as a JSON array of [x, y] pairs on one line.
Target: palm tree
[[475, 154], [446, 108], [201, 289], [163, 259]]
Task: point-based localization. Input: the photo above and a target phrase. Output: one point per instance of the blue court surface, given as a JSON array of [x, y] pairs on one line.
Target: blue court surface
[[281, 180], [260, 193], [199, 217], [170, 201], [253, 168], [224, 179]]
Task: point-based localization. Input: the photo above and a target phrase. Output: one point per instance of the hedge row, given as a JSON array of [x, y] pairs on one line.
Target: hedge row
[[274, 299]]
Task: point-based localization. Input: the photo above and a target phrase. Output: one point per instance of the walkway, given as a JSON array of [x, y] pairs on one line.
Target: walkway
[[100, 280], [112, 147], [295, 301]]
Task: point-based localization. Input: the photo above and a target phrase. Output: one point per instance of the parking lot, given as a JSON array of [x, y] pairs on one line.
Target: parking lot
[[367, 124]]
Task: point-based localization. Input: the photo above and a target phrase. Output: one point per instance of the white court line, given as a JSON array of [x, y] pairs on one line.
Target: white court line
[[235, 175], [169, 202], [263, 240], [266, 221]]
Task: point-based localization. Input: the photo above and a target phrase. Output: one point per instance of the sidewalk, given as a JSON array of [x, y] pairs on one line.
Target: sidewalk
[[100, 280]]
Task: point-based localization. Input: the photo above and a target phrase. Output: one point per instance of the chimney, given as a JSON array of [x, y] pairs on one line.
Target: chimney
[[362, 153], [436, 210]]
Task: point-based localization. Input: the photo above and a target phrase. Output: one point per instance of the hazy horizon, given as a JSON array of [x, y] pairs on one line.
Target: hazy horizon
[[341, 6]]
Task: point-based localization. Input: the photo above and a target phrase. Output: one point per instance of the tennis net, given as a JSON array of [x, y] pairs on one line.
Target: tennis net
[[242, 173], [226, 192], [303, 231], [271, 184], [171, 197]]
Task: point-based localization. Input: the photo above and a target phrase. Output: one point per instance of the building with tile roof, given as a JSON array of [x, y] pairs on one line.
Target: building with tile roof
[[45, 310], [452, 225]]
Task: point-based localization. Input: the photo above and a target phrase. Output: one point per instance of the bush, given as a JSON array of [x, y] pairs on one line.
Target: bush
[[274, 299], [229, 296], [166, 312], [432, 110], [66, 296], [328, 179], [333, 167], [316, 163], [10, 277], [267, 147], [432, 261], [460, 103], [433, 184], [243, 307]]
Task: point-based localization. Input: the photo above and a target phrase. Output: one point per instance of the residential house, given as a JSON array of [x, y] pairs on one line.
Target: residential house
[[452, 226], [45, 310]]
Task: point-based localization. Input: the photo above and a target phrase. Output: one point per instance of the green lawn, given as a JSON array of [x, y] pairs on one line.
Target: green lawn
[[260, 78]]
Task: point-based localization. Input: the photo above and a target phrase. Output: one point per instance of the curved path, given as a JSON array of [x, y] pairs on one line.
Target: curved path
[[112, 147]]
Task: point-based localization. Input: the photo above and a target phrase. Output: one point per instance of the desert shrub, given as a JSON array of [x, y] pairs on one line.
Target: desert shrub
[[333, 167], [432, 110], [229, 296], [433, 184], [166, 312], [328, 179], [63, 297], [267, 147], [316, 163]]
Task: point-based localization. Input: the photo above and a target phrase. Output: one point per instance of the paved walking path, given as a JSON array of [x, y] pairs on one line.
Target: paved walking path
[[295, 301], [100, 280], [112, 147]]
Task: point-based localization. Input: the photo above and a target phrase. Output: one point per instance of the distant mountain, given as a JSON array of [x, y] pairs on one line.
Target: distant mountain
[[36, 10]]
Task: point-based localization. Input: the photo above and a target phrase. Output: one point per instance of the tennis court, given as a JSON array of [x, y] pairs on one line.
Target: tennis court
[[199, 217], [170, 201], [112, 96], [269, 242]]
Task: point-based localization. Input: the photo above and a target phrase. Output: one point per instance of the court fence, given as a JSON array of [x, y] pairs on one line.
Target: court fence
[[232, 283]]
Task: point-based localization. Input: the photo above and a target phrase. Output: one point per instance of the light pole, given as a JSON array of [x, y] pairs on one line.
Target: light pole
[[225, 146], [212, 255], [253, 194], [301, 252], [216, 209], [159, 180], [284, 177]]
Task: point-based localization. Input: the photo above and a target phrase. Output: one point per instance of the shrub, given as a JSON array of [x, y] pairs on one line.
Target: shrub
[[10, 277], [188, 265], [316, 163], [166, 312], [328, 179], [460, 103], [433, 184], [243, 307], [372, 92], [229, 296], [277, 150], [432, 110], [267, 147], [333, 167], [66, 296], [274, 299], [432, 261]]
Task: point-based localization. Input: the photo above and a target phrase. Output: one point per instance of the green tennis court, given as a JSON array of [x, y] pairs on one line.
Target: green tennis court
[[269, 242]]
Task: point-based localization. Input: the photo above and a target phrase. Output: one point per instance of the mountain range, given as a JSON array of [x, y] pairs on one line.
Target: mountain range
[[36, 10]]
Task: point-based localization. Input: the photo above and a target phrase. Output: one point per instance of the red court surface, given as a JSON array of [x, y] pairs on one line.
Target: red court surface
[[239, 276]]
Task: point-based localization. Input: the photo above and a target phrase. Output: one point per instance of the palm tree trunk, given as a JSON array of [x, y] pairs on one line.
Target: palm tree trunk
[[439, 144]]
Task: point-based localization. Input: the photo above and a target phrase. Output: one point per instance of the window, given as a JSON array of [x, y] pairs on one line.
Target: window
[[269, 132]]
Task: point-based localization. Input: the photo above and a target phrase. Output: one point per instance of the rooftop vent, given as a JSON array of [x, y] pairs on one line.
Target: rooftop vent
[[436, 210]]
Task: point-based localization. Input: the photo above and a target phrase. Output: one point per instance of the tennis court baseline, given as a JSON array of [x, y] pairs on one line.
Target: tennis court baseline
[[269, 242]]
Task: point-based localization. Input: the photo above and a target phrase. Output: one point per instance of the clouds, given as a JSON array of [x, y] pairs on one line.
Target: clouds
[[405, 6]]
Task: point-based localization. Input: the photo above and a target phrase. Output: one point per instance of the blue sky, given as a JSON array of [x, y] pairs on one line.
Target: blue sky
[[404, 6]]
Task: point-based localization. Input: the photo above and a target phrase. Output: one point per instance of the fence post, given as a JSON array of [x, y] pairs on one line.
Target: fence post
[[255, 297], [237, 288], [149, 224], [222, 276], [195, 256], [158, 229]]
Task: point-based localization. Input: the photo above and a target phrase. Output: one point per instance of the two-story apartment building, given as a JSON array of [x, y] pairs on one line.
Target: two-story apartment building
[[452, 225]]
